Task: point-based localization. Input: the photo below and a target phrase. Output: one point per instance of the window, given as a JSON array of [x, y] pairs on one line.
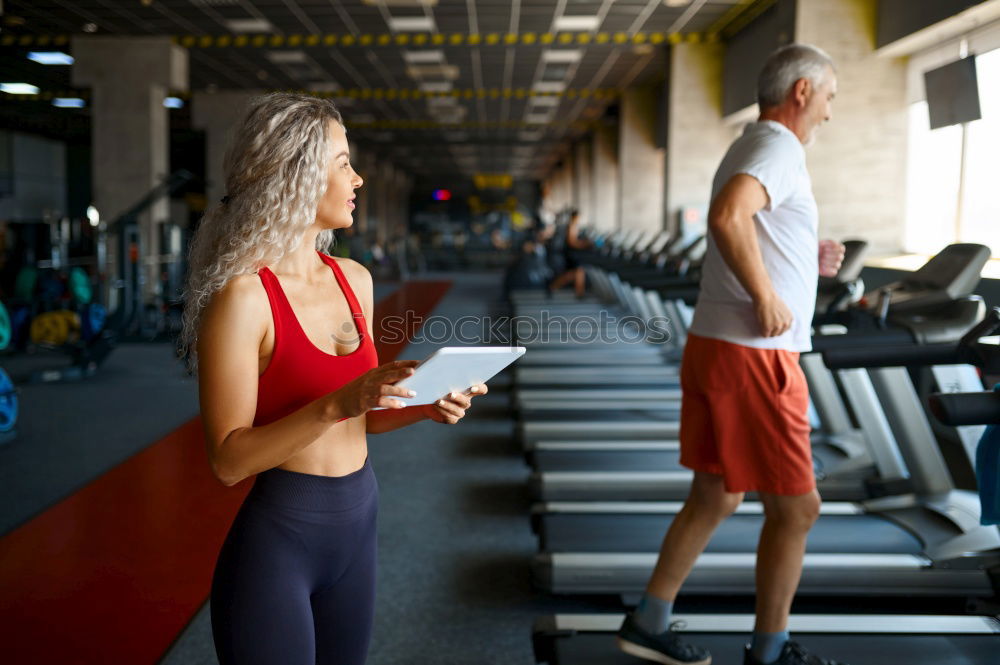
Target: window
[[935, 167]]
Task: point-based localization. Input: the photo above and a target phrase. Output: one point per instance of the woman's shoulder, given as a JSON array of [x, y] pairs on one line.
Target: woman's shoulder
[[354, 271], [243, 293]]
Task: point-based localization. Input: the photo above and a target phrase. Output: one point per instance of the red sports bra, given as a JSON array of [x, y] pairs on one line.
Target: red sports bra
[[299, 372]]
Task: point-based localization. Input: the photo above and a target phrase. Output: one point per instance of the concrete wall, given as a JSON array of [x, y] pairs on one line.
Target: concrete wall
[[640, 163], [696, 137], [38, 178], [583, 163], [560, 186], [858, 164], [604, 177]]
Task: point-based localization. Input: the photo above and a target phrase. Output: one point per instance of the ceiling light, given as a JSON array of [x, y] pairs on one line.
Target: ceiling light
[[549, 86], [449, 116], [248, 25], [449, 72], [676, 3], [286, 57], [544, 100], [538, 118], [412, 24], [435, 102], [576, 23], [90, 27], [173, 103], [51, 57], [423, 57], [68, 102], [436, 86], [18, 88], [562, 55], [401, 3]]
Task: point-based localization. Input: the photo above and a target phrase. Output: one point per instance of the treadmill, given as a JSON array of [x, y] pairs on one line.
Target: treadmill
[[858, 639], [952, 274], [579, 639], [928, 543]]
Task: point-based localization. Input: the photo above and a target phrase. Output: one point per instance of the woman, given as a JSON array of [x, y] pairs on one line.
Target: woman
[[281, 337], [574, 271]]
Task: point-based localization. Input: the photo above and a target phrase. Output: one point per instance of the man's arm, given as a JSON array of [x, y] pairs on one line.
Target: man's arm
[[730, 220]]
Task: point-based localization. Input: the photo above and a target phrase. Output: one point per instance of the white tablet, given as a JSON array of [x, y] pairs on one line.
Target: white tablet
[[456, 369]]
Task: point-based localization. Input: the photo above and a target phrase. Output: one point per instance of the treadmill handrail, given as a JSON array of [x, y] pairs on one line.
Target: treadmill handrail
[[962, 409], [967, 350]]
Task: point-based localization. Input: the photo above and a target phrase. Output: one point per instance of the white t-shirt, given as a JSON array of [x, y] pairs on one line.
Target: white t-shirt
[[787, 230]]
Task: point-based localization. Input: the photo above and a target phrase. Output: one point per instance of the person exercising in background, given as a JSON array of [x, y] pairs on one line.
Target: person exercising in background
[[744, 424], [572, 244], [280, 334]]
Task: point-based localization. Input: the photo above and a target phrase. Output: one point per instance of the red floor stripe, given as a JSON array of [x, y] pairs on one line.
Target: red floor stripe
[[113, 573]]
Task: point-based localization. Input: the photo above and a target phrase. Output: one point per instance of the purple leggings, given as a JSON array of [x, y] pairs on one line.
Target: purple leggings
[[295, 580]]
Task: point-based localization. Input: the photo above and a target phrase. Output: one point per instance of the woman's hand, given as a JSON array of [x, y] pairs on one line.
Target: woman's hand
[[375, 388], [452, 407]]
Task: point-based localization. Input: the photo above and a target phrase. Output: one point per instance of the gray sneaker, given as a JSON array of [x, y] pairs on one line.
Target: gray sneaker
[[668, 647]]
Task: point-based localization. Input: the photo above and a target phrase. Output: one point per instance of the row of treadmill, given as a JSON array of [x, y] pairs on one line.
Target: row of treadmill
[[597, 403]]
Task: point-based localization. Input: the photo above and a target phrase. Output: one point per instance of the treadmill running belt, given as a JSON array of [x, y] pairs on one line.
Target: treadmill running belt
[[600, 649], [860, 534]]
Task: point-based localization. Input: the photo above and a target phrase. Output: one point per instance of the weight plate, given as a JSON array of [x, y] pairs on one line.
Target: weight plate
[[79, 286], [24, 286], [50, 328], [5, 327], [8, 403]]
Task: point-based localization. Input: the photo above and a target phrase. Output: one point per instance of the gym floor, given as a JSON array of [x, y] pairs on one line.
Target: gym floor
[[454, 541]]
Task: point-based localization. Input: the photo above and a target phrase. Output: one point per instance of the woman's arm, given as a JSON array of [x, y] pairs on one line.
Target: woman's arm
[[232, 327]]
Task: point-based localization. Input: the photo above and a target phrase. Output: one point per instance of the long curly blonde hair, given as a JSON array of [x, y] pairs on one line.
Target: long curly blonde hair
[[276, 174]]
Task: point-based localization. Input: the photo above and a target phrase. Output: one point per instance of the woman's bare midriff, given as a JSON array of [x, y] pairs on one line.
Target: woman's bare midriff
[[342, 450]]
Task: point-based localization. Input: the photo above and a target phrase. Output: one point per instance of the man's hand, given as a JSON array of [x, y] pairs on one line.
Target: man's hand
[[831, 255], [773, 315]]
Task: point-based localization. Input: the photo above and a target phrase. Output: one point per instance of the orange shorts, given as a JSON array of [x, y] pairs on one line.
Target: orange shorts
[[744, 416]]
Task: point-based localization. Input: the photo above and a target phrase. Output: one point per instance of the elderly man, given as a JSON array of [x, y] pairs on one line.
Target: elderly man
[[744, 424]]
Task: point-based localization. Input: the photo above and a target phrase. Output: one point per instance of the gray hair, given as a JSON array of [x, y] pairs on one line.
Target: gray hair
[[786, 66], [276, 174]]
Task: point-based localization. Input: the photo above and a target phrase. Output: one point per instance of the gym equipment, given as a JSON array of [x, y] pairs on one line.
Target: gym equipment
[[6, 331], [928, 543], [860, 639], [79, 286], [951, 274], [20, 322], [529, 271], [24, 286], [130, 320], [8, 408], [55, 329], [92, 320]]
